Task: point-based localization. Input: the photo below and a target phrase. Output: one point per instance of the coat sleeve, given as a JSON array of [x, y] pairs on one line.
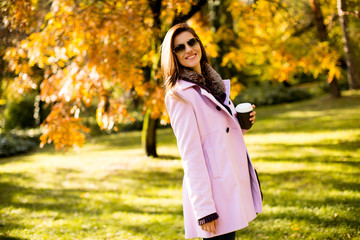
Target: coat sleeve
[[196, 177]]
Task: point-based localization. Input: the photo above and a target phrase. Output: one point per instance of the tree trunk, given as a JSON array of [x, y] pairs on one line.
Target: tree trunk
[[319, 20], [352, 75], [149, 134], [150, 124], [148, 137], [334, 88], [1, 80], [219, 17], [2, 76]]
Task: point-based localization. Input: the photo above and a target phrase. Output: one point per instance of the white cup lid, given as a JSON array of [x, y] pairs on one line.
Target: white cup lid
[[244, 107]]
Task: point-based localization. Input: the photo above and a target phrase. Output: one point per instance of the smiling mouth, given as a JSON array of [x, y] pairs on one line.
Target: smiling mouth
[[191, 57]]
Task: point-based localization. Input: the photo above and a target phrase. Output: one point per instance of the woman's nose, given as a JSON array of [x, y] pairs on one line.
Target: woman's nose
[[187, 48]]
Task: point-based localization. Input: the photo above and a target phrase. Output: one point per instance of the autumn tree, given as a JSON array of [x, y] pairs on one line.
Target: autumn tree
[[337, 11], [323, 36], [106, 53], [274, 42], [89, 54], [96, 52], [352, 74], [16, 26]]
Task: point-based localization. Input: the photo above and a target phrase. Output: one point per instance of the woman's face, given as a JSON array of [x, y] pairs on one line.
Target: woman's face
[[191, 55]]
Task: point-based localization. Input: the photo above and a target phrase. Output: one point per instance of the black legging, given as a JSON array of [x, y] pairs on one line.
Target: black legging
[[228, 236]]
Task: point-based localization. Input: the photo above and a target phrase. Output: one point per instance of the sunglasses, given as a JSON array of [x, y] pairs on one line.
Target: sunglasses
[[179, 49]]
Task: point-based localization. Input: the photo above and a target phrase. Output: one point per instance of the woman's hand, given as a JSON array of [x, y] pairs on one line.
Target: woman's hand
[[210, 226], [252, 119]]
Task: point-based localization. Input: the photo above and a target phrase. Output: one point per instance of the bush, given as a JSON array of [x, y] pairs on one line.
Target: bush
[[20, 113], [11, 144], [269, 94]]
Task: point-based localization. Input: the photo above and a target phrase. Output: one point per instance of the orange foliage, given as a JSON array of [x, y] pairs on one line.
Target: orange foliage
[[90, 52], [62, 129], [94, 52], [267, 44]]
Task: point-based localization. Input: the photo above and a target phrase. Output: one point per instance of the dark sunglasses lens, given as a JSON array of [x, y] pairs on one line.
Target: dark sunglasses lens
[[179, 48], [192, 42]]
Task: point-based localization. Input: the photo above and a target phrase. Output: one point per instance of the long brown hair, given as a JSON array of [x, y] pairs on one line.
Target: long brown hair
[[169, 63]]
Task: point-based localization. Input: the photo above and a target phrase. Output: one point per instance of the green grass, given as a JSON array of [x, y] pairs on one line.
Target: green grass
[[306, 153]]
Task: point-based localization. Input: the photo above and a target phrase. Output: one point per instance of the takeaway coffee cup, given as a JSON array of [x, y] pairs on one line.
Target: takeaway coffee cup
[[243, 115]]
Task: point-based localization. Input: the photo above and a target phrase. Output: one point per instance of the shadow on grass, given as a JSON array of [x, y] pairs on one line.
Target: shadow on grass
[[151, 179], [168, 157], [311, 184], [18, 158], [309, 116], [309, 214], [299, 199], [72, 200], [6, 237], [9, 226], [162, 230], [325, 158], [323, 152], [316, 159], [132, 140], [326, 103], [300, 223], [128, 140], [85, 203], [338, 146], [297, 204]]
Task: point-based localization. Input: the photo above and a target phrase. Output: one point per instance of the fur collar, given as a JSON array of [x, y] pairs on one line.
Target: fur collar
[[209, 78]]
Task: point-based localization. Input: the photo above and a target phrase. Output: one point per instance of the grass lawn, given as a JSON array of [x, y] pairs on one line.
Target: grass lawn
[[306, 153]]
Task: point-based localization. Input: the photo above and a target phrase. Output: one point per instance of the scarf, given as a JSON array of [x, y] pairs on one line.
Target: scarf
[[210, 80]]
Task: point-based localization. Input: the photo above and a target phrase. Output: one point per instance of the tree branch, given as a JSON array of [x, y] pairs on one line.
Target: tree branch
[[194, 9], [334, 16], [355, 13], [301, 31], [156, 9]]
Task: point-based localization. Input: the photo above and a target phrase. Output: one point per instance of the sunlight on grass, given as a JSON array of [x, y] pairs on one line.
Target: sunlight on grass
[[307, 159]]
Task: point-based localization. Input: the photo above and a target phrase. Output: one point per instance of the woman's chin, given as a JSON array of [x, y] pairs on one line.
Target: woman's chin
[[192, 64]]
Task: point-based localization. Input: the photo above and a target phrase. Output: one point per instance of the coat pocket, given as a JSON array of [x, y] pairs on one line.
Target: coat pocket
[[214, 166]]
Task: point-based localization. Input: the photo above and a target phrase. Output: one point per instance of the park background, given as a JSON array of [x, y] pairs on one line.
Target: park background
[[85, 145]]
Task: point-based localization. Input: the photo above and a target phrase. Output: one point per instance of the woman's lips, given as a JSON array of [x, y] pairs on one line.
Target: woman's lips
[[191, 57]]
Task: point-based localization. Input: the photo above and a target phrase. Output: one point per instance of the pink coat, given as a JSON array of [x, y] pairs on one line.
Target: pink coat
[[218, 177]]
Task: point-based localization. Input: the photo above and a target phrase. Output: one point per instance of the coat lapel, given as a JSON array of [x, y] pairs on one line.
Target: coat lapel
[[212, 98], [186, 84]]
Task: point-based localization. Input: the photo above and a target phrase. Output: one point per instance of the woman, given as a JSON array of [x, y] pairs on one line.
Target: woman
[[221, 193]]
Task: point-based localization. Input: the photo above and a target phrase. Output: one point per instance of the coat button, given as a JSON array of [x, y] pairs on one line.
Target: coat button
[[229, 102], [227, 130], [218, 108]]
